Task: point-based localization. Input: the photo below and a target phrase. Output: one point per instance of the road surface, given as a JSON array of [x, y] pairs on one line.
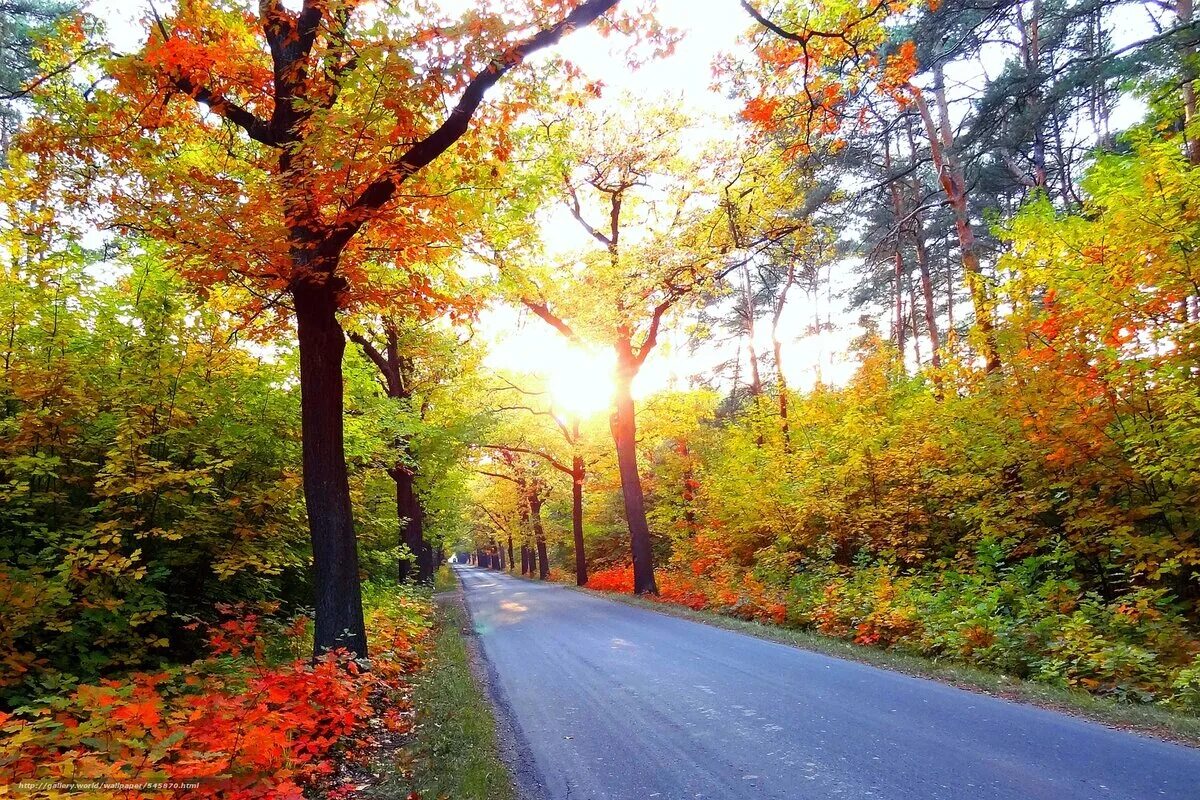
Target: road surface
[[605, 701]]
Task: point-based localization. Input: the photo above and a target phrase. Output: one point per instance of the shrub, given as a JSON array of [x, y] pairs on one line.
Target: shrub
[[234, 722]]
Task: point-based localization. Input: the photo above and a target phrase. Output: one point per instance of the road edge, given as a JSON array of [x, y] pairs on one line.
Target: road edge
[[511, 744]]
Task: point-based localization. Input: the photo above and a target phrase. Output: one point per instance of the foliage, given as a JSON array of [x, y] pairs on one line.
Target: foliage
[[148, 468], [237, 722], [1041, 523]]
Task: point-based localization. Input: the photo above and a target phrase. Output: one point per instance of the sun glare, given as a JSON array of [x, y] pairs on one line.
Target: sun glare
[[580, 382]]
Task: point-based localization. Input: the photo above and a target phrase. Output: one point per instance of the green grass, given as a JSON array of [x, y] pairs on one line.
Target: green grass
[[1153, 720], [444, 580], [453, 752]]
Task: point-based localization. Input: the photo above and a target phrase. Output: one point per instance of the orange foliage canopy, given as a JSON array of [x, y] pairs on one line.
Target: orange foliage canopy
[[816, 59], [268, 147]]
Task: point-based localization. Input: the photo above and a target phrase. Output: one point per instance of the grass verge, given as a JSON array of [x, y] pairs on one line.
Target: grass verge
[[453, 752], [444, 580], [1151, 720]]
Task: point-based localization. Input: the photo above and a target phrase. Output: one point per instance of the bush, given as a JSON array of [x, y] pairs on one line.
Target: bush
[[238, 722]]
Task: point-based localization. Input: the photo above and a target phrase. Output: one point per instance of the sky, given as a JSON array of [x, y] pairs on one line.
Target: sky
[[581, 379]]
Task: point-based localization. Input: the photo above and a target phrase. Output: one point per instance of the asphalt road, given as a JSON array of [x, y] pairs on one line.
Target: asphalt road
[[604, 701]]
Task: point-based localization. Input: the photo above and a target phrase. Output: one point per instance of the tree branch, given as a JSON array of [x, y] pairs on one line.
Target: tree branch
[[577, 213], [652, 336], [256, 128], [543, 311], [551, 460], [379, 192]]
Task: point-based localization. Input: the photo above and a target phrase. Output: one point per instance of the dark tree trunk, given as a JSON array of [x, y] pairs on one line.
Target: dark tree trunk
[[524, 559], [688, 489], [577, 477], [624, 431], [338, 601], [539, 534], [412, 516], [511, 560], [425, 563]]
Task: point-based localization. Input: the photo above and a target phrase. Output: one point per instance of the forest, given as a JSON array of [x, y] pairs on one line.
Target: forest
[[885, 326]]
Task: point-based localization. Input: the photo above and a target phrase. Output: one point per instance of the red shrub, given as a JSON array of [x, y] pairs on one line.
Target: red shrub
[[613, 579], [237, 726]]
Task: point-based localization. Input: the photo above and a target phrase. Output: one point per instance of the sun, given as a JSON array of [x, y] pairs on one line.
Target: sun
[[577, 378], [580, 381]]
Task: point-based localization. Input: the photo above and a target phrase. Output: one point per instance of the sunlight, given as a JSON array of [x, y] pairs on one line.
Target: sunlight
[[581, 382]]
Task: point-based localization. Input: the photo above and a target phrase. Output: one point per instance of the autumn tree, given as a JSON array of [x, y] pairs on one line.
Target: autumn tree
[[290, 150], [656, 235], [529, 423], [524, 472], [425, 369]]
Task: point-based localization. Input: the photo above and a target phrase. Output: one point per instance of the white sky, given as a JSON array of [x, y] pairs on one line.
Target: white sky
[[581, 379], [521, 343]]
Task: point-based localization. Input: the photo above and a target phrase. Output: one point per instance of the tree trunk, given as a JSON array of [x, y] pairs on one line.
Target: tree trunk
[[935, 344], [511, 560], [898, 270], [539, 534], [624, 431], [748, 300], [781, 387], [1185, 11], [577, 477], [953, 184], [338, 601], [688, 489], [408, 509], [777, 347], [426, 565], [914, 323]]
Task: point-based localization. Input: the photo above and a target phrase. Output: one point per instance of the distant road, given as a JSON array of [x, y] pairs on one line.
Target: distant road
[[611, 702]]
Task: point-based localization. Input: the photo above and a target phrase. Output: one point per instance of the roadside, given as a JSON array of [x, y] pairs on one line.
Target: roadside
[[454, 750], [1147, 719]]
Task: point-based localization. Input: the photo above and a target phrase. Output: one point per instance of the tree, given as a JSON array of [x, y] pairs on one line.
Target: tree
[[417, 366], [290, 151], [663, 238], [547, 442], [23, 23], [522, 470]]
